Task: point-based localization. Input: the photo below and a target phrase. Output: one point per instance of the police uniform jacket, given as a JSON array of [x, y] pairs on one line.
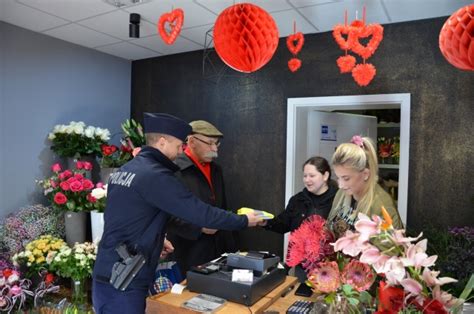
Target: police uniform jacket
[[142, 192], [192, 247]]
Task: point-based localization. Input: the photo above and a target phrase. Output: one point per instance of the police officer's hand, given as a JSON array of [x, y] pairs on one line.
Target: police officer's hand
[[254, 219], [208, 231]]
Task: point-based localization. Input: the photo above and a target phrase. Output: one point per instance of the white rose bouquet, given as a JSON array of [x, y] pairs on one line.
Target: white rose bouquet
[[77, 139], [76, 263]]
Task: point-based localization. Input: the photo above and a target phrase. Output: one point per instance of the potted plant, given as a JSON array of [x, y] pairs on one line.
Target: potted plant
[[77, 264], [98, 197], [69, 191], [77, 140]]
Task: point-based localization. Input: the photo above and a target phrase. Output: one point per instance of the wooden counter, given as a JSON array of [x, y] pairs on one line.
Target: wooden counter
[[171, 303]]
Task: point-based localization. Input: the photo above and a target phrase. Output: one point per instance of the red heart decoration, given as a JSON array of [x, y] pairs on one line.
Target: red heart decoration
[[294, 64], [295, 42], [363, 73], [175, 18], [374, 30], [346, 63], [340, 30]]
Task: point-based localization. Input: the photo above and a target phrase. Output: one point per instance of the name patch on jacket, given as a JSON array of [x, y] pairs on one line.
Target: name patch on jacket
[[122, 178]]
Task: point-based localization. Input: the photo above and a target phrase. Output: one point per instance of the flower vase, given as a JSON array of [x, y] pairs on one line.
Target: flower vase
[[97, 225], [75, 224], [79, 292], [105, 174]]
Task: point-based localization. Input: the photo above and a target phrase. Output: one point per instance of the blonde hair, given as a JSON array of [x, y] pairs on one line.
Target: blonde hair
[[360, 156]]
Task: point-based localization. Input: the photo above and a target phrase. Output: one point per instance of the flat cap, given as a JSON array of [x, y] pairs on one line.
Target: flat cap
[[166, 124], [205, 128]]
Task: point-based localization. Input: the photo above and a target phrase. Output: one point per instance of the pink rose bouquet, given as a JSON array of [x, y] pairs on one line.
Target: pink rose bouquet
[[70, 190]]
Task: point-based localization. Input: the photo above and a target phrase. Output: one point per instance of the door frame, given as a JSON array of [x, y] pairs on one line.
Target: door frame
[[354, 102]]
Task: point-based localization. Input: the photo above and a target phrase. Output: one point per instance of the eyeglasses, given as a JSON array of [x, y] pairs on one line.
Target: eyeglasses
[[217, 143]]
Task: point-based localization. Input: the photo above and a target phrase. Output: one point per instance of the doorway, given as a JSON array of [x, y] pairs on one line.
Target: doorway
[[298, 128]]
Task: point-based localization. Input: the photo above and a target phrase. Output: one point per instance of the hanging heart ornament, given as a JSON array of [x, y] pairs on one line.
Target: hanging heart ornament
[[295, 42], [294, 64], [374, 30], [175, 20]]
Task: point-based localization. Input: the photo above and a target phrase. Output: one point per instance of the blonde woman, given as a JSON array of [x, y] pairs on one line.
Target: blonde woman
[[356, 168]]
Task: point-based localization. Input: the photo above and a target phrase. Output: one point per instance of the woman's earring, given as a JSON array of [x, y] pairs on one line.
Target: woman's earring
[[365, 179]]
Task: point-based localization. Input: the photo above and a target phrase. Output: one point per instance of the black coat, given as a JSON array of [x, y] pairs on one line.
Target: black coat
[[143, 192], [192, 247], [300, 206]]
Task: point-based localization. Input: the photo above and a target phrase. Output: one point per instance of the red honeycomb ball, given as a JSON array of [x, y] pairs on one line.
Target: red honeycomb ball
[[456, 39], [245, 37]]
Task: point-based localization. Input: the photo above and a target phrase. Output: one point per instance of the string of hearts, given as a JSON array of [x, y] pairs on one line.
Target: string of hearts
[[294, 43], [175, 19], [363, 73]]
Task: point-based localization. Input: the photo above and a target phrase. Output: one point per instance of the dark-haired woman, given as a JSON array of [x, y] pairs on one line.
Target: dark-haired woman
[[315, 199]]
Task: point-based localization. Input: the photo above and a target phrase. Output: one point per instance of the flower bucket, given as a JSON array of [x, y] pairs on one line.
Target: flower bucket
[[75, 224], [105, 174], [97, 225]]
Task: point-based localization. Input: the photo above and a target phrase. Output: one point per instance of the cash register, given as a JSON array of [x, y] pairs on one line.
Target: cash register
[[216, 277]]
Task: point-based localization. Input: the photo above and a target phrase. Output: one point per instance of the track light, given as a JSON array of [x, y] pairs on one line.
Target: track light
[[134, 27]]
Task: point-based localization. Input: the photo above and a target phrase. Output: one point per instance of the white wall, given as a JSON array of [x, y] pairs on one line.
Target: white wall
[[45, 81]]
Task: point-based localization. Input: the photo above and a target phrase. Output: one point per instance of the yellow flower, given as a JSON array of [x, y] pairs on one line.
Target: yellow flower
[[37, 252], [40, 259], [31, 259]]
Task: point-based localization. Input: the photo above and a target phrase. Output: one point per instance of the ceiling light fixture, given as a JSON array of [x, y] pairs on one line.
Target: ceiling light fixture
[[125, 3], [134, 27]]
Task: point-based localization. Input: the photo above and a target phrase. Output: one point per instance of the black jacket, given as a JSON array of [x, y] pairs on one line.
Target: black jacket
[[192, 247], [300, 206], [144, 191]]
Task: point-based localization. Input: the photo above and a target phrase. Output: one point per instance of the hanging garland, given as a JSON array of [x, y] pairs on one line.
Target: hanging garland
[[363, 73], [294, 43]]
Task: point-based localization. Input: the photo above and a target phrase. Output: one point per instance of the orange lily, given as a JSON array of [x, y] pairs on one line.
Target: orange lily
[[387, 220]]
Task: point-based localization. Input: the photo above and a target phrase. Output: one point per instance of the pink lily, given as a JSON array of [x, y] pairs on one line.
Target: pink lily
[[412, 286], [394, 271], [370, 256], [367, 227], [431, 278], [417, 257], [349, 244]]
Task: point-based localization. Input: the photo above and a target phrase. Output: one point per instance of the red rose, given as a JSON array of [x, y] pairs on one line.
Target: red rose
[[49, 278], [56, 167], [87, 165], [60, 198], [65, 186], [76, 186], [67, 173], [91, 198], [390, 298], [79, 165], [108, 150], [53, 183], [99, 185], [78, 176], [126, 149], [71, 180], [7, 272], [87, 184]]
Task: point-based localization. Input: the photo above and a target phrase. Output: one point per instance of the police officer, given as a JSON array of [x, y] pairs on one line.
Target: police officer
[[142, 196]]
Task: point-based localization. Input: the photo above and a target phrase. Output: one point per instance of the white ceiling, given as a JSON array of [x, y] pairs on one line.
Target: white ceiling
[[104, 27]]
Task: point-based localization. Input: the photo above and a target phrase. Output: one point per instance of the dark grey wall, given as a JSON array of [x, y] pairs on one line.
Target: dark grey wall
[[250, 109], [43, 82]]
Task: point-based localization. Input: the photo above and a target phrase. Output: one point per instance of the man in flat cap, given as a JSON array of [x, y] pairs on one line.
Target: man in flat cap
[[195, 245], [141, 198]]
